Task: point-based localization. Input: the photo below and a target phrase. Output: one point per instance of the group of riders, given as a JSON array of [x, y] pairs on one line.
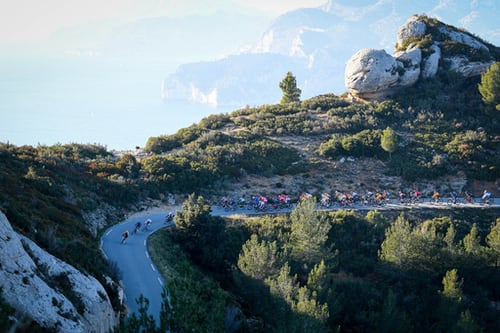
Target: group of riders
[[338, 198], [145, 226], [343, 199]]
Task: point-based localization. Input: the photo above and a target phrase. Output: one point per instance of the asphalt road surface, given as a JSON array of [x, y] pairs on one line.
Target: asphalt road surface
[[140, 276], [138, 273]]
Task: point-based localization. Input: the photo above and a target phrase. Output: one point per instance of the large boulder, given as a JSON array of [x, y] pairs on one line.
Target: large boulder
[[423, 45], [371, 72], [49, 291], [374, 74]]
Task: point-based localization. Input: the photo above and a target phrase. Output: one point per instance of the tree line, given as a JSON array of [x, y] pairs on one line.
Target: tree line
[[343, 271]]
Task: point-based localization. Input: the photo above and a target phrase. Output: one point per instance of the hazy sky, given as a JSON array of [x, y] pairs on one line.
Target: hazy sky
[[25, 21], [34, 20], [78, 70]]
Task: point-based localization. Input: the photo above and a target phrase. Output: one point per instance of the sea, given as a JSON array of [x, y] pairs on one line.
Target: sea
[[116, 103]]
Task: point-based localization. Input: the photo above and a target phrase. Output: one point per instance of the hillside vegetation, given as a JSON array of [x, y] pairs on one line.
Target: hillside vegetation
[[63, 196], [441, 124]]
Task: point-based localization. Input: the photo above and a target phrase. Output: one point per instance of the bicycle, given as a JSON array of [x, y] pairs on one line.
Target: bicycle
[[487, 201], [146, 225], [124, 236]]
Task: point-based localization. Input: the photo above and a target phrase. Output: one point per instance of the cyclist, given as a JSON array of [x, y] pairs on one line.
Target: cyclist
[[486, 197], [242, 202], [147, 224], [137, 227], [435, 196], [170, 217], [124, 236], [468, 197], [402, 196], [454, 197], [325, 199], [284, 200], [262, 202]]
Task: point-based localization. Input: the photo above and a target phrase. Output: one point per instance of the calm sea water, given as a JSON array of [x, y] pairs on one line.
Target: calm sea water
[[80, 100]]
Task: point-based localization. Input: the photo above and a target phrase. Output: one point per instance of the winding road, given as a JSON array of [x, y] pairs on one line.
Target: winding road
[[140, 276]]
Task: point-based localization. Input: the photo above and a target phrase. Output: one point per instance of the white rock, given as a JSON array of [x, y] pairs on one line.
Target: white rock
[[370, 72], [411, 59], [431, 63], [411, 28], [462, 37], [374, 75], [24, 272], [467, 68]]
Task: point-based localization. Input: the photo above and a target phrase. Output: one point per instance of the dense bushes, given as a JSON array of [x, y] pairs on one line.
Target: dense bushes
[[351, 272], [362, 144]]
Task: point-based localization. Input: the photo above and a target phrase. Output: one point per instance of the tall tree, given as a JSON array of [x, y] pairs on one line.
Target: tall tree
[[472, 241], [493, 242], [389, 141], [451, 302], [289, 87], [396, 246], [201, 234], [308, 305], [489, 88], [317, 279], [259, 260], [452, 285], [309, 232]]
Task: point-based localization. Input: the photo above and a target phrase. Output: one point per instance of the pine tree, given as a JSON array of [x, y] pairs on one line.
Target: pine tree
[[258, 260], [452, 285], [396, 246], [472, 241], [489, 88], [289, 87], [389, 141], [309, 233], [493, 242]]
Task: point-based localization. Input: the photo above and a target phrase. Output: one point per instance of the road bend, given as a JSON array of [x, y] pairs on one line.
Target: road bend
[[140, 276], [138, 273]]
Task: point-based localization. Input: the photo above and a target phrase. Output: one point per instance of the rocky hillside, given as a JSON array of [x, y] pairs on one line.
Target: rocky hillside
[[49, 291], [426, 93], [62, 196], [424, 46]]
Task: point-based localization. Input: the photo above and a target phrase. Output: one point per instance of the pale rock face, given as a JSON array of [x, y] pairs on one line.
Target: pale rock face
[[411, 59], [462, 38], [431, 63], [373, 74], [468, 68], [371, 71], [412, 28], [24, 272]]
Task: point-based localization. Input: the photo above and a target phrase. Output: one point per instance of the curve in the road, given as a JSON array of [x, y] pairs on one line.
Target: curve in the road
[[139, 274]]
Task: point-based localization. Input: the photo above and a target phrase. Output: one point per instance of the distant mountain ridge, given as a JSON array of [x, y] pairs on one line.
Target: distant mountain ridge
[[297, 41], [313, 43]]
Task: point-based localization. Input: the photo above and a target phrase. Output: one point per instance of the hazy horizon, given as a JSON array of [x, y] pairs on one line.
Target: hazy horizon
[[92, 72]]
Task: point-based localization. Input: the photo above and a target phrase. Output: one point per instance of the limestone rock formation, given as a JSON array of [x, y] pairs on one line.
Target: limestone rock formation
[[424, 46], [48, 290]]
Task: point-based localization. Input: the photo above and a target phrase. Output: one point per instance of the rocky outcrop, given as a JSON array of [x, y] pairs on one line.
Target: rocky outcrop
[[48, 290], [424, 46]]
